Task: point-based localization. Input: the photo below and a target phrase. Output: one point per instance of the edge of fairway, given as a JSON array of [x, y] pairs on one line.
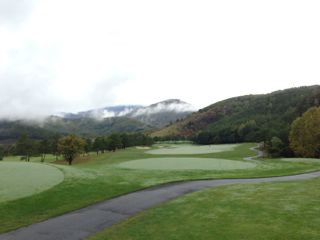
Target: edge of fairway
[[61, 180], [152, 186], [159, 185]]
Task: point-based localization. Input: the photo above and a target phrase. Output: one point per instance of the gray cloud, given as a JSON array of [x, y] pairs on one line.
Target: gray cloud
[[14, 11], [104, 54]]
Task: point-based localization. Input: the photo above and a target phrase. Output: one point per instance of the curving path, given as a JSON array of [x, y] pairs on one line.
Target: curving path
[[260, 154], [89, 220]]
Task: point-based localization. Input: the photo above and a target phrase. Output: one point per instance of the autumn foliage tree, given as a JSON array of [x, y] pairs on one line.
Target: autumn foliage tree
[[70, 146], [305, 134]]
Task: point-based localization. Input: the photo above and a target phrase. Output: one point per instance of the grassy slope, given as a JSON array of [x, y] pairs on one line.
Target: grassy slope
[[274, 211], [98, 179]]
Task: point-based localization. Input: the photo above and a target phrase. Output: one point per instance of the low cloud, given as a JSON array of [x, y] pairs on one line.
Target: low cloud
[[14, 11], [165, 107]]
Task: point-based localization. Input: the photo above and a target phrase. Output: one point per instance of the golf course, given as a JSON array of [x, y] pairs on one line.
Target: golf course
[[53, 188]]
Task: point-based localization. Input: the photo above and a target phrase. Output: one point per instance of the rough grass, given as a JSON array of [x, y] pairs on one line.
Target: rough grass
[[19, 180], [193, 149], [96, 178], [49, 158], [186, 164], [274, 211]]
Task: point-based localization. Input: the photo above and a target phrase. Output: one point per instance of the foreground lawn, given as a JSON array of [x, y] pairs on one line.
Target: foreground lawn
[[96, 178], [274, 211]]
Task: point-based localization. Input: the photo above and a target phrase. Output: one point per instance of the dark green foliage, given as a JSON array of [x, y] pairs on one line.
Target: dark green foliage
[[252, 118], [117, 141], [26, 147], [275, 147], [305, 134], [89, 145], [10, 131], [125, 140], [99, 145], [114, 142], [91, 127], [1, 152], [44, 148], [204, 138]]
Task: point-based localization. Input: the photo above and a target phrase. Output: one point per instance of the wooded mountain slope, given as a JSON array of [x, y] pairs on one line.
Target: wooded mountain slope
[[246, 118]]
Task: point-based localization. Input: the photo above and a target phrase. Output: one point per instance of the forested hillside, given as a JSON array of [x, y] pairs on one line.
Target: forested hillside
[[246, 118]]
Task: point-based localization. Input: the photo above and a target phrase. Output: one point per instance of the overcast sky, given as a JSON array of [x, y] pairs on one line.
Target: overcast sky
[[71, 55]]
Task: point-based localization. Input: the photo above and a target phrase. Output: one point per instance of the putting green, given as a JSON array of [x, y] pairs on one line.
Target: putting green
[[186, 164], [20, 179], [193, 149]]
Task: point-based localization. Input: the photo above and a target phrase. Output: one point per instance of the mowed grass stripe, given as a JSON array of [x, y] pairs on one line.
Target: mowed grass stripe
[[186, 164], [192, 149]]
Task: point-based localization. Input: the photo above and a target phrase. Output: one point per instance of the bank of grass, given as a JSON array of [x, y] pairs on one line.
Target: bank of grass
[[95, 178], [277, 211]]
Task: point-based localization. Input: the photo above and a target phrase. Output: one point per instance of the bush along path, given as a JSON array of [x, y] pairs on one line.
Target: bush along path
[[87, 221]]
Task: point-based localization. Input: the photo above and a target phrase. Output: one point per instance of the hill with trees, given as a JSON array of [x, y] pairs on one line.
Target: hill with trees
[[98, 122], [251, 118], [305, 134]]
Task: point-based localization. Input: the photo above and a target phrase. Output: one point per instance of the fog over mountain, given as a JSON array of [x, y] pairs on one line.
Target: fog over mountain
[[157, 114], [100, 121], [71, 55]]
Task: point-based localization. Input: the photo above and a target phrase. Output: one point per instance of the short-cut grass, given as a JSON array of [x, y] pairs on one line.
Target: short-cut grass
[[20, 179], [192, 149], [277, 211], [95, 178], [186, 164], [302, 160]]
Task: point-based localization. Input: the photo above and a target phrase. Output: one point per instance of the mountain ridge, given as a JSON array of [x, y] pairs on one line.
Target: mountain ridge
[[261, 115], [157, 114], [96, 122]]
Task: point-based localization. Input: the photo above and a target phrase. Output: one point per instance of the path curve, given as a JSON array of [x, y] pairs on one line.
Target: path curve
[[89, 220], [256, 149]]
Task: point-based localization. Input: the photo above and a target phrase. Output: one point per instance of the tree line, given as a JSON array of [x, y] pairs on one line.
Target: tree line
[[302, 139], [72, 145]]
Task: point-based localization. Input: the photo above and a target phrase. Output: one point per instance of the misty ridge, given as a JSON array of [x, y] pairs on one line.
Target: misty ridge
[[170, 105], [121, 118]]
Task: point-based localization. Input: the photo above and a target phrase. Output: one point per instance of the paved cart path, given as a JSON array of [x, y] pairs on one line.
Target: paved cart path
[[89, 220]]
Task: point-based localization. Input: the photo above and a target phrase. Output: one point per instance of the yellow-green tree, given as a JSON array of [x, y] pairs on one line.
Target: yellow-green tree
[[70, 146], [305, 134]]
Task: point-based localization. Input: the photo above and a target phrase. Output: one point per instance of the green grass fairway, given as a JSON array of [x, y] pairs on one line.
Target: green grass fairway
[[186, 164], [193, 149], [20, 179], [270, 211], [95, 178], [302, 160]]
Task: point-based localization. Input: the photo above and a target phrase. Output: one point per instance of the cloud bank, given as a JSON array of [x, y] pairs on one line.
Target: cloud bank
[[73, 55]]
